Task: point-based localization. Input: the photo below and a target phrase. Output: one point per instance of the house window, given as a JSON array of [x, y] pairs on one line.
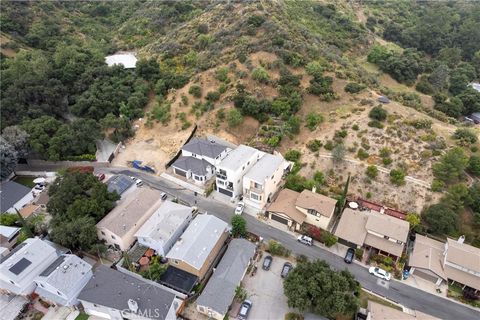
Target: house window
[[313, 212], [12, 282], [113, 237], [194, 155], [95, 305], [197, 178], [257, 185], [175, 261], [386, 237], [399, 242], [117, 246], [202, 309], [255, 196], [59, 293], [220, 182]]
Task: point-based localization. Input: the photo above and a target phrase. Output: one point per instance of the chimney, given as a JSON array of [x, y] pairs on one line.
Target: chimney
[[461, 239], [132, 305]]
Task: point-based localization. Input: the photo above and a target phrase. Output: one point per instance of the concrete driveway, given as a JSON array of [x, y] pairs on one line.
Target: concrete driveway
[[265, 290]]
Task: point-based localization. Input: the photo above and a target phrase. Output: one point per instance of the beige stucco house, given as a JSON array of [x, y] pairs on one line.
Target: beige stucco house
[[119, 226], [198, 247]]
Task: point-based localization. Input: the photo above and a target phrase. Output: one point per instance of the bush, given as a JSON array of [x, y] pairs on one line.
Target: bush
[[313, 119], [372, 172], [355, 127], [474, 165], [359, 254], [437, 185], [195, 91], [362, 154], [213, 96], [314, 145], [261, 75], [387, 161], [375, 124], [234, 118], [397, 177], [385, 152], [329, 239], [82, 157], [277, 249], [465, 136], [329, 145], [293, 155], [274, 141], [222, 74], [378, 113], [294, 316], [353, 87], [318, 177]]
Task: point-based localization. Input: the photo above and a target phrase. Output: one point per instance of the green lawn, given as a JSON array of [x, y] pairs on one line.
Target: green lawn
[[82, 316], [25, 180], [365, 296]]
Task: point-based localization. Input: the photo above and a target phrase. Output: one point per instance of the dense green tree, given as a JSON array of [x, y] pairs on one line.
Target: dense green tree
[[314, 287], [155, 269], [293, 155], [148, 69], [439, 78], [78, 233], [404, 67], [234, 118], [122, 128], [378, 113], [239, 226], [471, 100], [474, 165], [440, 219], [313, 119], [465, 136], [474, 197], [261, 75], [451, 166], [8, 158]]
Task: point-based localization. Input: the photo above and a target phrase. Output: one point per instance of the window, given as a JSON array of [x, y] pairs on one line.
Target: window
[[95, 305], [243, 168], [58, 292], [220, 182], [202, 309], [117, 246], [175, 261], [41, 285], [12, 282], [257, 185], [399, 242], [102, 232], [197, 178], [313, 212], [113, 237], [194, 155], [386, 237], [255, 196]]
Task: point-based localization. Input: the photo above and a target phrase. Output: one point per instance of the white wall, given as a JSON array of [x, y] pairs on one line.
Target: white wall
[[21, 203], [114, 314], [270, 186]]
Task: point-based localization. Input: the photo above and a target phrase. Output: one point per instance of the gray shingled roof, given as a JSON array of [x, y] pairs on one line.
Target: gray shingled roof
[[113, 289], [197, 166], [220, 290], [10, 193], [204, 147]]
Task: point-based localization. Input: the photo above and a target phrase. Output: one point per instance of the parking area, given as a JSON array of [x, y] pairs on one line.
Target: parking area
[[265, 290]]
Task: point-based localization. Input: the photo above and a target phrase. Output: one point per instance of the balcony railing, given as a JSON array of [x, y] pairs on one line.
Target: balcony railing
[[221, 176]]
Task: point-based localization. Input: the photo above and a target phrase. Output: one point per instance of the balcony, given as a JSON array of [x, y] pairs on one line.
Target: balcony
[[221, 176]]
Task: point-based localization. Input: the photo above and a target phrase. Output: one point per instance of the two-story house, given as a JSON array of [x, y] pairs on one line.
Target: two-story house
[[453, 260], [62, 281], [233, 167], [198, 247], [198, 160], [318, 209], [261, 182], [119, 226], [373, 230], [164, 227], [23, 264], [8, 236]]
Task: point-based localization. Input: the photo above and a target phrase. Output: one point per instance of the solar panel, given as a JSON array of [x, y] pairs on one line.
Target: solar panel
[[52, 267], [20, 266], [119, 183]]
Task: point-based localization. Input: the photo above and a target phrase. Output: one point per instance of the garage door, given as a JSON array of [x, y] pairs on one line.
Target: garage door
[[226, 192], [425, 275], [180, 172], [279, 219]]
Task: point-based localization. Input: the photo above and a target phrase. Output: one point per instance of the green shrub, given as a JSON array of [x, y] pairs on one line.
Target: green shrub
[[385, 152], [372, 172], [274, 141], [221, 114], [261, 75], [375, 124], [397, 177], [387, 161], [213, 96], [293, 155], [221, 74], [82, 157], [277, 249], [294, 316], [378, 113], [465, 136], [355, 127], [234, 117], [362, 154], [437, 185], [318, 177], [359, 254], [195, 91], [313, 119], [329, 239], [353, 87], [420, 123], [314, 145]]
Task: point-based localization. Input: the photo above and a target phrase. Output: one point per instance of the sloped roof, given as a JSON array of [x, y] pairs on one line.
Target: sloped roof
[[113, 289], [428, 254], [220, 289], [198, 240], [165, 221], [320, 203], [388, 226], [351, 226], [467, 257], [125, 216], [204, 147], [264, 168], [10, 193], [197, 166], [285, 203]]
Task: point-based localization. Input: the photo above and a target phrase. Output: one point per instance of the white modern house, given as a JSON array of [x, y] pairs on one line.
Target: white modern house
[[164, 227], [62, 281], [111, 294], [14, 196], [23, 264], [230, 171], [198, 160], [8, 236], [261, 182]]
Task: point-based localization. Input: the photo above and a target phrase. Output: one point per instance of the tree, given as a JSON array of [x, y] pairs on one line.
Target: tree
[[465, 136], [195, 91], [314, 287], [8, 219], [440, 219], [234, 118], [458, 195], [8, 158], [397, 177], [239, 226], [240, 293], [474, 165], [378, 113], [451, 166], [413, 219], [319, 177], [155, 269], [372, 172], [293, 155], [18, 139], [313, 119], [78, 233]]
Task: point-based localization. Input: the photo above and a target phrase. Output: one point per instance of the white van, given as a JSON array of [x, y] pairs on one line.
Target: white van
[[305, 240]]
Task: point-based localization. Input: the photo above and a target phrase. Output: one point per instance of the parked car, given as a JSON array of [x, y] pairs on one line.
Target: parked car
[[305, 240], [101, 176], [349, 255], [244, 309], [39, 187], [139, 182], [287, 266], [163, 196], [240, 207], [267, 263], [382, 274]]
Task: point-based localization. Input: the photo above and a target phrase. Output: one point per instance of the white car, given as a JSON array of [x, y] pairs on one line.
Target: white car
[[305, 240], [240, 207], [382, 274], [139, 182]]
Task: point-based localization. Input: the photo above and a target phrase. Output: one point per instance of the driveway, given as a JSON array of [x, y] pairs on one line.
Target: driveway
[[265, 290]]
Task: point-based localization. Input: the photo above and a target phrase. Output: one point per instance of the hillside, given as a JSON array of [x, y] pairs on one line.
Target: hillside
[[278, 75]]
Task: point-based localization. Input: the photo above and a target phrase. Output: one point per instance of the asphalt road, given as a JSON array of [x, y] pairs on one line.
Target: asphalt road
[[406, 295]]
